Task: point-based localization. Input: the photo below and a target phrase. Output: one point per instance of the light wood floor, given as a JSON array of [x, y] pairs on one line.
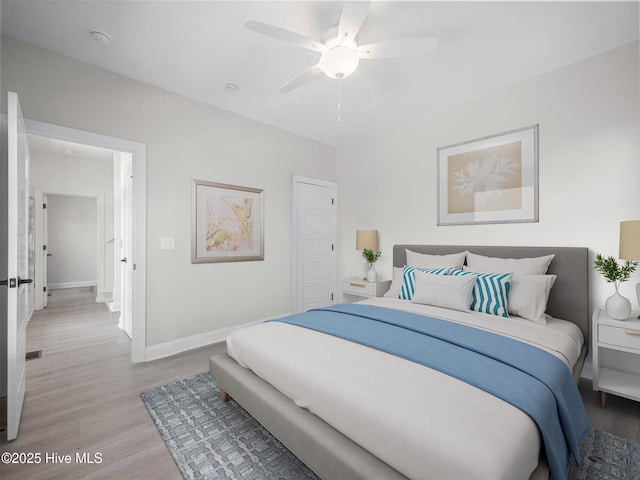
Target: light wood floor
[[83, 396]]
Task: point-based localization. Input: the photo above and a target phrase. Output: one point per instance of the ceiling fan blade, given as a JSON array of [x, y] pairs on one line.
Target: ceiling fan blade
[[351, 19], [301, 78], [285, 35], [398, 48]]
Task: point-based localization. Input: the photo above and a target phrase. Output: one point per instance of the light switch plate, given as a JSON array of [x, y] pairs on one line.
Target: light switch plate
[[167, 243]]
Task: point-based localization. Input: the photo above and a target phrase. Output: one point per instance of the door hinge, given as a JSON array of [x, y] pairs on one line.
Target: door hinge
[[332, 296], [44, 289], [333, 201], [44, 247], [332, 246], [44, 205]]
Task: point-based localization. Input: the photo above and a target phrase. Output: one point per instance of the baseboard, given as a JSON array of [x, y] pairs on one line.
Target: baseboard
[[155, 352], [89, 283], [114, 306], [104, 297], [587, 371]]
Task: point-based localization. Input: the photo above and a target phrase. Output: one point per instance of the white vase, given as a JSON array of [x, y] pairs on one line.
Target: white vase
[[372, 275], [617, 306]]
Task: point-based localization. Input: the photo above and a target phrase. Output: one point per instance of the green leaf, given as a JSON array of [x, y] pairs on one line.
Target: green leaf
[[612, 271]]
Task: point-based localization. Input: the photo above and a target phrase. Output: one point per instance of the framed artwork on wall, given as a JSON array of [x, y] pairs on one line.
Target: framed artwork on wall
[[227, 223], [489, 180]]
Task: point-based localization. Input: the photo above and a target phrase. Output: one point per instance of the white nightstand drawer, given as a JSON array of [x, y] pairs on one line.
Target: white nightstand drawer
[[623, 337], [359, 288]]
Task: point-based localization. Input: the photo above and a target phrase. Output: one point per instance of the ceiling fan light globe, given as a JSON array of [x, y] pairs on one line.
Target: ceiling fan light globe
[[339, 62]]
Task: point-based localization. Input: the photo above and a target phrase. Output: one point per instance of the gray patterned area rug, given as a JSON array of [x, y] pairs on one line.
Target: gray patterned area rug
[[211, 440], [605, 457]]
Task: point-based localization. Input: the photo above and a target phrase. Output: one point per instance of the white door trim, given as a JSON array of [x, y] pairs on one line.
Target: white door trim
[[139, 152], [295, 250]]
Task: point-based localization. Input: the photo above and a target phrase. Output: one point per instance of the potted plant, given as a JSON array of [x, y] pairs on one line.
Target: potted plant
[[371, 257], [617, 306]]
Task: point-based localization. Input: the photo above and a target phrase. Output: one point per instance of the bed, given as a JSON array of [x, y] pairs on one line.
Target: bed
[[362, 452]]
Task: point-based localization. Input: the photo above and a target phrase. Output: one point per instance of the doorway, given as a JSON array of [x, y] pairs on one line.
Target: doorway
[[72, 248], [137, 213]]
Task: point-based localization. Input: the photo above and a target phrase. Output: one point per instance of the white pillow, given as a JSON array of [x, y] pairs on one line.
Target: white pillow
[[528, 295], [409, 281], [396, 283], [425, 260], [455, 293], [524, 266]]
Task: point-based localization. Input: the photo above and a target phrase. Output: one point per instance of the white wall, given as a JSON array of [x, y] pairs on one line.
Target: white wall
[[73, 229], [589, 166], [185, 140]]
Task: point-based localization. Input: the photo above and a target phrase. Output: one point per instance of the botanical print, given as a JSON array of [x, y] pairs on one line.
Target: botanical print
[[227, 223], [488, 179], [493, 179]]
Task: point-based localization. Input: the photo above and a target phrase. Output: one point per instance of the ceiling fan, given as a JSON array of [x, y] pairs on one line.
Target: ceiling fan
[[340, 52]]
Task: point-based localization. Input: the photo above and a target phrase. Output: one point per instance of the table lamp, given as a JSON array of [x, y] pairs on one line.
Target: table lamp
[[630, 245], [367, 239]]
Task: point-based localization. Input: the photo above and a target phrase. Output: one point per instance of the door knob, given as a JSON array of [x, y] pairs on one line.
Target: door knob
[[124, 260], [24, 280]]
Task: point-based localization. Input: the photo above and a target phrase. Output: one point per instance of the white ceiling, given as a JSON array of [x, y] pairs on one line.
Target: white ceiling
[[194, 48]]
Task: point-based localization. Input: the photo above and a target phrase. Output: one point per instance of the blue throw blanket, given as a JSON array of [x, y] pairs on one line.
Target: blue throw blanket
[[531, 379]]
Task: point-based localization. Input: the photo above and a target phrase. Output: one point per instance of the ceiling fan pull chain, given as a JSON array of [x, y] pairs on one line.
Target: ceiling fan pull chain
[[339, 98]]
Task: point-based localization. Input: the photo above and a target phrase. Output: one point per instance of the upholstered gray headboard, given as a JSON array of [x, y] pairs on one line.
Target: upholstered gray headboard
[[569, 298]]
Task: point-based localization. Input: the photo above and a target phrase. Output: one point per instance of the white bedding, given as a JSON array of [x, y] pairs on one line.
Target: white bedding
[[421, 422]]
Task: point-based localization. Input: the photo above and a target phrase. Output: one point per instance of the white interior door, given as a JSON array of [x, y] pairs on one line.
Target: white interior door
[[126, 248], [315, 254], [45, 252], [17, 262]]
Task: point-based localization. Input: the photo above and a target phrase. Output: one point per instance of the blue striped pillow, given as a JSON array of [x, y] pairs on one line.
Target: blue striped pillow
[[490, 293], [409, 280]]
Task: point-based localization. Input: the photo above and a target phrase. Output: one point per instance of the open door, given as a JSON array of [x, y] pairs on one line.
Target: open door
[[45, 251], [126, 247], [14, 278]]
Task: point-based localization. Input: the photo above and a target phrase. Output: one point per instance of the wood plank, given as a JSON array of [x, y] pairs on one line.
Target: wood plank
[[83, 395]]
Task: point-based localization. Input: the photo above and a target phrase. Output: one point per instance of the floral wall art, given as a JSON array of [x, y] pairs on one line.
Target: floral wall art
[[489, 180], [227, 223]]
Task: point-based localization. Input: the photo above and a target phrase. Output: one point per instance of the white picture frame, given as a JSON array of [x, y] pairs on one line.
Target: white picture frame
[[492, 179], [227, 223]]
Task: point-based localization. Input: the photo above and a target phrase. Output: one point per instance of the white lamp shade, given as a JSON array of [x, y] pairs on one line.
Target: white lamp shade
[[630, 240], [339, 62], [367, 239]]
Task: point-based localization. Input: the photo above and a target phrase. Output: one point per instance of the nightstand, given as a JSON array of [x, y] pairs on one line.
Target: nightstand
[[361, 288], [620, 336]]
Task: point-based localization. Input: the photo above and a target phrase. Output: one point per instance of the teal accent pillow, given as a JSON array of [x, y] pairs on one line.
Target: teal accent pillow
[[490, 293], [409, 280]]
